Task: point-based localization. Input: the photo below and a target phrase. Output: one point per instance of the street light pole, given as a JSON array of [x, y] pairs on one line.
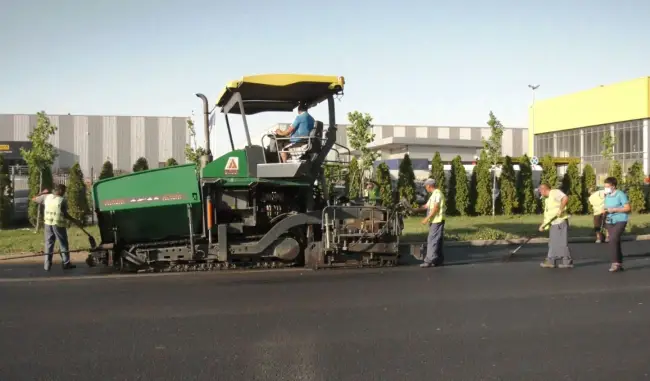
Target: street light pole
[[532, 110]]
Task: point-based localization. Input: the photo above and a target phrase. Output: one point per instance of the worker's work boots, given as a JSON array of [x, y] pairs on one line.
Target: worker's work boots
[[565, 263]]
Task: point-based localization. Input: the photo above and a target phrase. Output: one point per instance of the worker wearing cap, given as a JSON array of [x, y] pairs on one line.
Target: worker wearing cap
[[556, 220], [435, 218], [373, 194], [54, 219]]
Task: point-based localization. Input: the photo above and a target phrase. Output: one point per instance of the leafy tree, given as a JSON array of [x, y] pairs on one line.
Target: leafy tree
[[6, 195], [458, 199], [634, 182], [509, 200], [608, 142], [193, 153], [483, 185], [572, 187], [171, 162], [438, 172], [107, 170], [360, 136], [492, 147], [354, 179], [140, 165], [525, 187], [588, 182], [334, 175], [77, 194], [39, 161], [385, 184], [406, 180], [549, 172], [616, 171]]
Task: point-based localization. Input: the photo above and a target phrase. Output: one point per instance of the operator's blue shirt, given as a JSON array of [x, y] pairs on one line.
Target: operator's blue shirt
[[303, 125], [617, 199]]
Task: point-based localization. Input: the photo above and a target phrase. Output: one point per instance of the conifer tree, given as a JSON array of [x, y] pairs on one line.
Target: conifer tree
[[588, 183], [549, 172], [473, 192], [616, 171], [385, 184], [77, 195], [459, 195], [107, 170], [354, 179], [406, 180], [508, 194], [438, 172], [6, 195], [572, 187], [483, 186], [634, 184], [140, 165], [525, 187]]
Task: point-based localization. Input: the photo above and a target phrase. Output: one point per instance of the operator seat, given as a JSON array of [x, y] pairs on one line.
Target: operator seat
[[313, 145]]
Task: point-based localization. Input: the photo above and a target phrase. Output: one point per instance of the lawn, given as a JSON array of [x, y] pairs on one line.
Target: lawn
[[456, 229]]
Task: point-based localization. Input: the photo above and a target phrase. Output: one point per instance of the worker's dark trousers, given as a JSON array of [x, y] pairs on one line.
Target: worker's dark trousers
[[53, 234], [615, 232], [435, 239]]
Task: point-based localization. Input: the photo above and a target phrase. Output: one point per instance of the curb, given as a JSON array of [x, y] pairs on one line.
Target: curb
[[519, 241]]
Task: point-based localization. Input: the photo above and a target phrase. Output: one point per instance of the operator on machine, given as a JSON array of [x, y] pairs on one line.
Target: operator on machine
[[54, 219], [298, 130]]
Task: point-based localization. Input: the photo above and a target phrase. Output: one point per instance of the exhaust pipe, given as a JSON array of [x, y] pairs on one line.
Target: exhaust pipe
[[207, 158]]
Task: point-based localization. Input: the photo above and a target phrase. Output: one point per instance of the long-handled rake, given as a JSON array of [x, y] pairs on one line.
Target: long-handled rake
[[510, 254]]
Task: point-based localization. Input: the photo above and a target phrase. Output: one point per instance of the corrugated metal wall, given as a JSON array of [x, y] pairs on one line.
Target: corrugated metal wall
[[91, 140]]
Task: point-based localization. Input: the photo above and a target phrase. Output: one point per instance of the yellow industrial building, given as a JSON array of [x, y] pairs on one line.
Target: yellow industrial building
[[573, 125]]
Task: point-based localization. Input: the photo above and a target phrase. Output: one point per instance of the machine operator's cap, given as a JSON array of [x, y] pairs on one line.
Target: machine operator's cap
[[430, 182]]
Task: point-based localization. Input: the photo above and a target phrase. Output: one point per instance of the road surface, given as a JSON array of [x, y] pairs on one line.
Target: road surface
[[478, 320]]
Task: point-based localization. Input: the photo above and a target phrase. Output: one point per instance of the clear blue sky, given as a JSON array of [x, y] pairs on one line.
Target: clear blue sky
[[408, 62]]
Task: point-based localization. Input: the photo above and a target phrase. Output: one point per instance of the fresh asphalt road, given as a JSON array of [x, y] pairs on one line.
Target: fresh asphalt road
[[478, 320]]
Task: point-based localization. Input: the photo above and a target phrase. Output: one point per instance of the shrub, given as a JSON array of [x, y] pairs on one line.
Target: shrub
[[6, 195], [572, 187], [77, 195], [107, 170], [634, 183], [459, 195], [483, 186], [385, 184], [525, 187], [171, 162], [140, 165], [509, 200], [406, 180], [588, 182], [438, 172]]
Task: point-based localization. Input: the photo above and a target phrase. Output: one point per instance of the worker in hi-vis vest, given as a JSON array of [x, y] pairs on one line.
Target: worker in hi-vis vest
[[435, 218], [54, 219], [555, 202]]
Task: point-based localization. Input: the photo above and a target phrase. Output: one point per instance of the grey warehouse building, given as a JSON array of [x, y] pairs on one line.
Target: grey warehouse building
[[93, 139]]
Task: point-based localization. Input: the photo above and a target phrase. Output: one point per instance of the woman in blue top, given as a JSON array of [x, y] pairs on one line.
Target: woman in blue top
[[617, 207]]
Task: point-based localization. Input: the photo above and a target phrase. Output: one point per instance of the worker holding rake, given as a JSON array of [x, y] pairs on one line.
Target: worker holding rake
[[556, 221]]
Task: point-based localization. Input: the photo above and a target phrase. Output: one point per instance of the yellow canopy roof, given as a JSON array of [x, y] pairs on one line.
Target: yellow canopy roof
[[280, 92]]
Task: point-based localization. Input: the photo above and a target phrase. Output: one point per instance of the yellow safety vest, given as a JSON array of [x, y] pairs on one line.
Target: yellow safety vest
[[597, 201], [552, 207], [440, 215], [53, 215]]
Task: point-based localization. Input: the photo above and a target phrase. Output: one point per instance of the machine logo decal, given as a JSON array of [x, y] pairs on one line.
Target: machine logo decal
[[232, 166], [166, 197]]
